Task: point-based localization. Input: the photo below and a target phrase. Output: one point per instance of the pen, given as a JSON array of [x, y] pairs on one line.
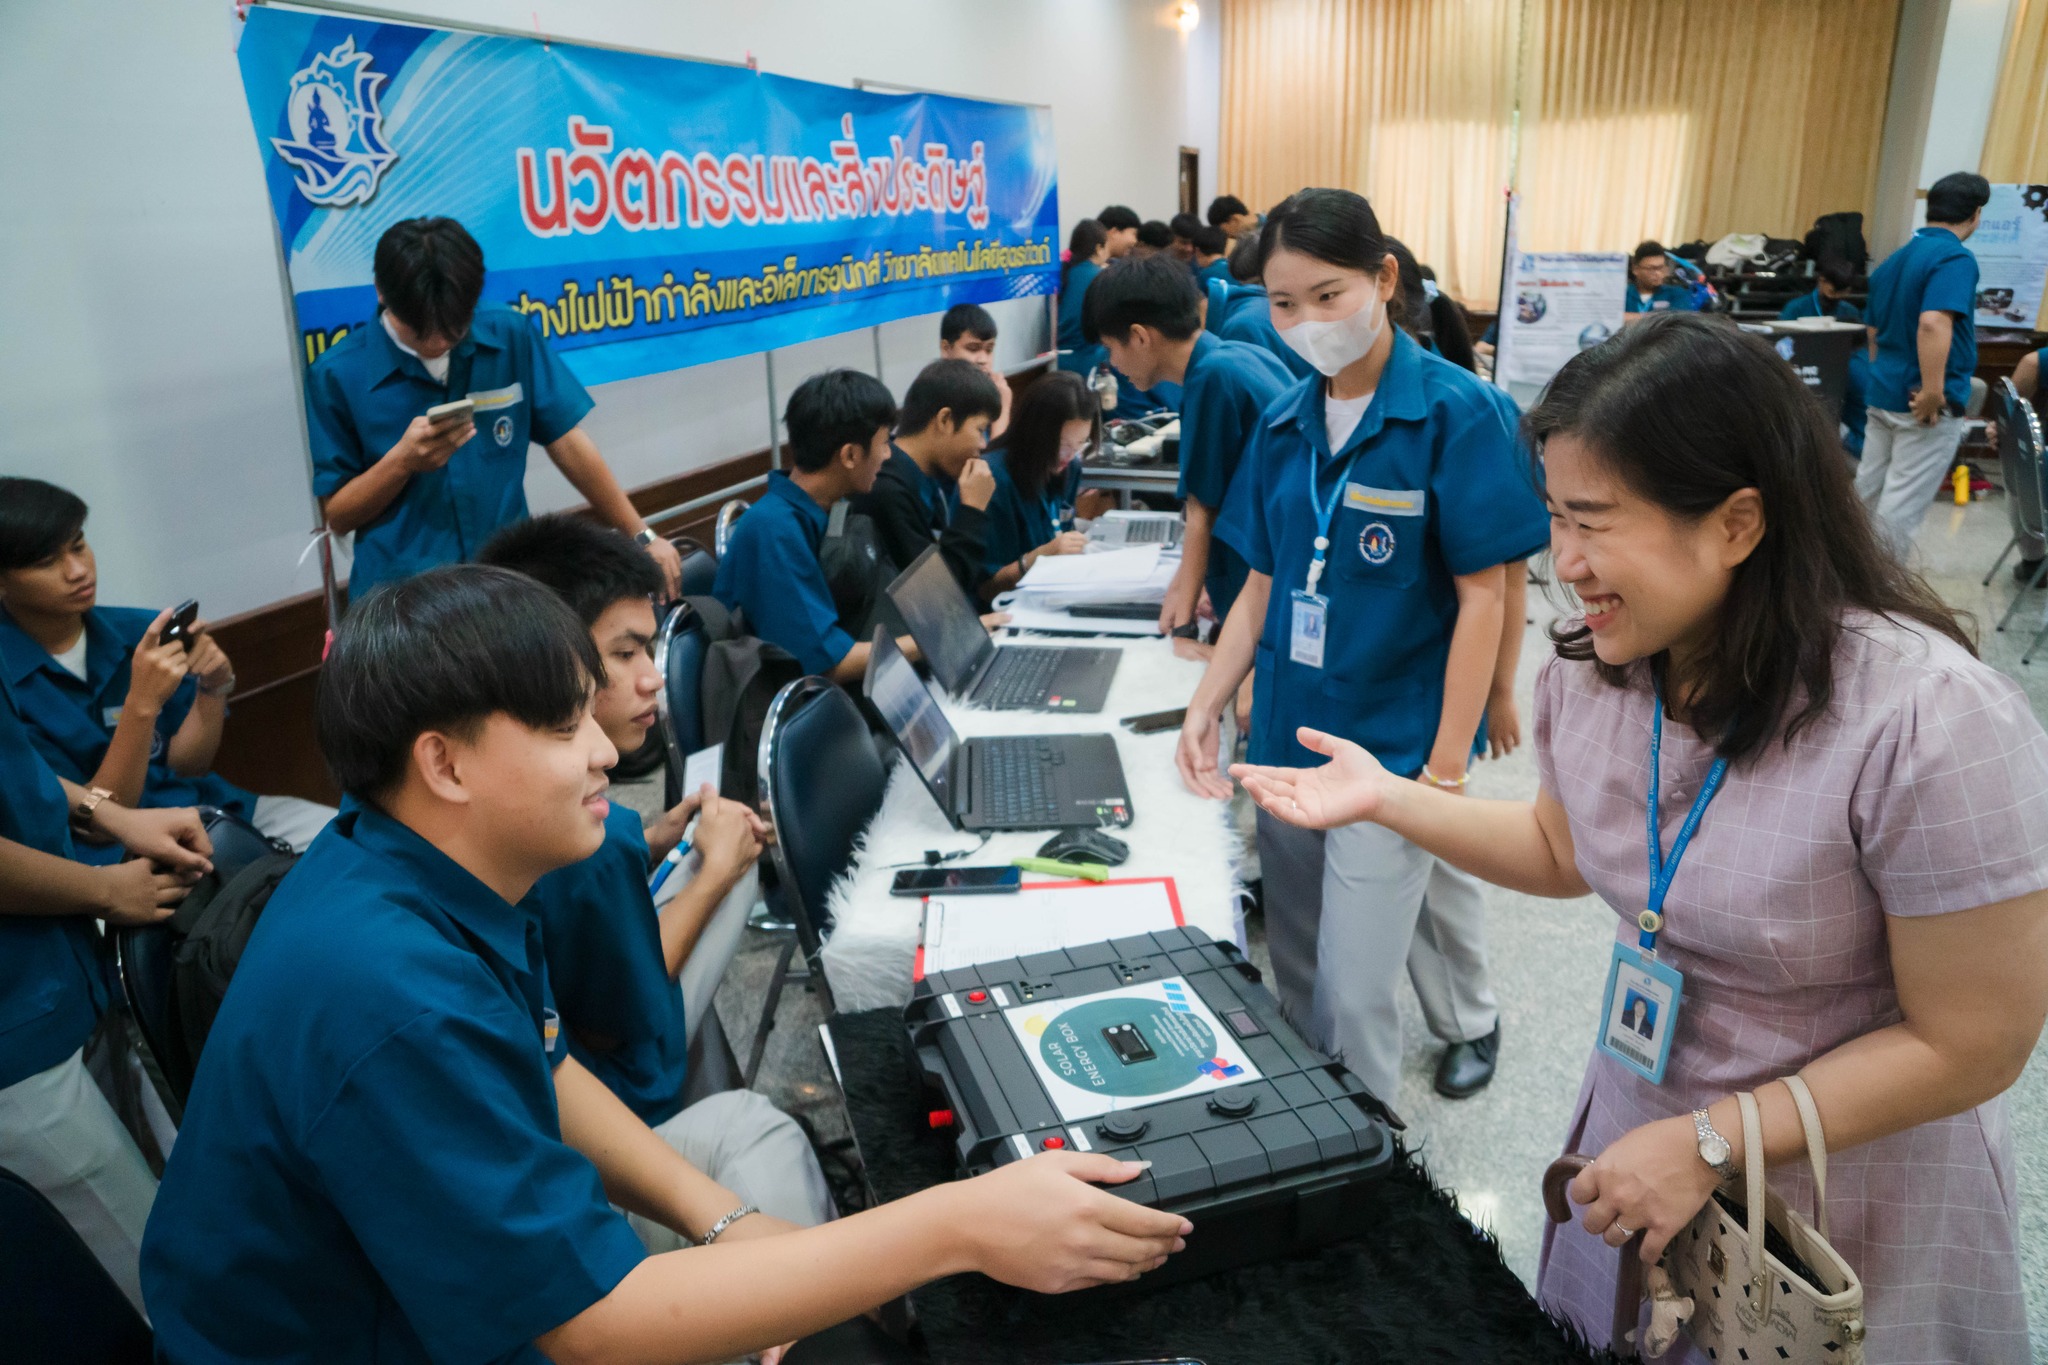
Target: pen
[[669, 864]]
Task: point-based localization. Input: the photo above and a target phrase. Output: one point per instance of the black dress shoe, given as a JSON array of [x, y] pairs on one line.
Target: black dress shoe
[[2023, 572], [1467, 1067]]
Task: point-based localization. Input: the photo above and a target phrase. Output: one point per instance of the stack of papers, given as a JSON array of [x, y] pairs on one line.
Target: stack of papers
[[960, 931], [1140, 574]]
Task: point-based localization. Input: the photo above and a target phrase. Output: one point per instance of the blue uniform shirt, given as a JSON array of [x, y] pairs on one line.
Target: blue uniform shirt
[[1669, 298], [621, 1011], [53, 983], [1218, 269], [1017, 524], [363, 393], [1438, 488], [1812, 305], [1227, 385], [1081, 356], [71, 722], [770, 571], [371, 1167], [1251, 321], [1932, 272]]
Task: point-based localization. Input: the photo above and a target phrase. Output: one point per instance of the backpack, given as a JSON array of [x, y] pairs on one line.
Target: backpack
[[210, 928], [742, 673], [857, 573], [1838, 236]]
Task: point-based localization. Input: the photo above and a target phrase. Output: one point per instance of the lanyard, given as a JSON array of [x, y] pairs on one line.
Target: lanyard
[[1326, 512], [1662, 870]]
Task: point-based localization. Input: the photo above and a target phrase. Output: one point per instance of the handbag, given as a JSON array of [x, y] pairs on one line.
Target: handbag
[[1749, 1278]]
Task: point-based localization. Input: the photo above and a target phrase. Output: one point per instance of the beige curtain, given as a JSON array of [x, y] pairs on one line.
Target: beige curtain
[[1640, 118], [2016, 144]]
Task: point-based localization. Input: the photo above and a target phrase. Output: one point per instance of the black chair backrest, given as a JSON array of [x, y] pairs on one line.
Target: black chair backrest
[[728, 512], [58, 1305], [700, 567], [679, 657], [822, 780]]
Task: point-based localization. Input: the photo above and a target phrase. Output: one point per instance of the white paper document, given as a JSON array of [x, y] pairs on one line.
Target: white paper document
[[1134, 565], [960, 931], [706, 765]]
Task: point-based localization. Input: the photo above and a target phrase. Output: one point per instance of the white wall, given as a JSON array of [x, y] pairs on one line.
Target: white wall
[[1944, 76], [144, 356]]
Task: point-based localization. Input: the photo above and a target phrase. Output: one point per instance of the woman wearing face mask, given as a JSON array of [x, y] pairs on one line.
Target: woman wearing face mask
[[1048, 430], [1861, 898], [1376, 503]]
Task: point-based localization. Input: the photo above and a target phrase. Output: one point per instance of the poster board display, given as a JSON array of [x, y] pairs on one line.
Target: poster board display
[[1557, 303]]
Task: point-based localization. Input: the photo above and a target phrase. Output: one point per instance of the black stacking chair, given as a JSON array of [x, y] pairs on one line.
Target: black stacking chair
[[700, 568], [822, 781], [58, 1305], [728, 513], [679, 649]]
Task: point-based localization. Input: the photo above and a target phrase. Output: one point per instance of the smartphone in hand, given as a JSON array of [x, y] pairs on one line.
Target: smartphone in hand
[[179, 628]]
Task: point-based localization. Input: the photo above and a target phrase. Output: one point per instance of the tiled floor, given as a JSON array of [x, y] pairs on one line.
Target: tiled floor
[[1547, 962]]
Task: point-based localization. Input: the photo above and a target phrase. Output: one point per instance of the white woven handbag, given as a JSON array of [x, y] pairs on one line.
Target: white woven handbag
[[1748, 1304]]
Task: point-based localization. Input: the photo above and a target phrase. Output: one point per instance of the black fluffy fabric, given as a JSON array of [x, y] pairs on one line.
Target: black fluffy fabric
[[1418, 1285]]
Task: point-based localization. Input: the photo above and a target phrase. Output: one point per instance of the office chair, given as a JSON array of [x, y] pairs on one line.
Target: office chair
[[145, 953], [822, 782], [2020, 459], [58, 1305], [728, 513]]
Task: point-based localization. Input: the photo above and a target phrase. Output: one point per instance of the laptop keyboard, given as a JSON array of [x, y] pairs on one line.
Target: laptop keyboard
[[1023, 677], [1016, 780]]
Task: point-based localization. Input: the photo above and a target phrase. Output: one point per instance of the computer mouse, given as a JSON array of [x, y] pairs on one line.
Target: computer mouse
[[1083, 845]]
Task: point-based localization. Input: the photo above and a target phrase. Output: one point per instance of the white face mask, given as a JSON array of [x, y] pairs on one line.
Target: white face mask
[[1330, 346]]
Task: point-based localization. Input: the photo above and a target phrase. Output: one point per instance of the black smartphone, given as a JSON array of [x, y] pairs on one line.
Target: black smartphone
[[1155, 722], [179, 628], [956, 881]]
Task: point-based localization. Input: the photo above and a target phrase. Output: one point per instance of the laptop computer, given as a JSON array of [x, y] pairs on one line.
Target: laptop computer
[[996, 782], [969, 664]]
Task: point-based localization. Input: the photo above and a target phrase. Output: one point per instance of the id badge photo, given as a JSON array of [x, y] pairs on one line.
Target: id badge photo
[[1639, 1013], [1311, 619]]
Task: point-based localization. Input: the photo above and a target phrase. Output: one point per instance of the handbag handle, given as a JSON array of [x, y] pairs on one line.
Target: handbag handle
[[1816, 1147], [1753, 1177]]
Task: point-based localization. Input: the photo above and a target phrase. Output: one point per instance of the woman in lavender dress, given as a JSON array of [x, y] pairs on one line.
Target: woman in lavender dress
[[1863, 901]]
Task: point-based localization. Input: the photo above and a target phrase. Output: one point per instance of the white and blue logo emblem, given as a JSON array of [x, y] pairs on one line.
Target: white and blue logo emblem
[[502, 429], [1785, 347], [337, 142], [1376, 543]]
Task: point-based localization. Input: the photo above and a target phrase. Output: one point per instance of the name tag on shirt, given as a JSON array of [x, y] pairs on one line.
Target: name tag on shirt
[[1640, 1013], [1311, 619], [1386, 502], [509, 396], [110, 716]]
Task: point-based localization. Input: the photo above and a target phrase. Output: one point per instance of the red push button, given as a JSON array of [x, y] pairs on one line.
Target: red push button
[[977, 997], [1053, 1143], [940, 1118]]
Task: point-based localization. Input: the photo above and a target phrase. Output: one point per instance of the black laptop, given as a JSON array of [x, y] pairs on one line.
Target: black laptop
[[969, 664], [996, 782]]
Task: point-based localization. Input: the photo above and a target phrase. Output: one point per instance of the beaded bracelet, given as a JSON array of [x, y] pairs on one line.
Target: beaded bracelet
[[1448, 783]]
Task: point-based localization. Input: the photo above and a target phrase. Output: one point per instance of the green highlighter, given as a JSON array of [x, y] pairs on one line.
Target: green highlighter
[[1091, 872]]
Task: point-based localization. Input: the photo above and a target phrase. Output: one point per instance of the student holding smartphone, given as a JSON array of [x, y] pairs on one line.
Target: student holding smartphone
[[117, 699], [417, 492]]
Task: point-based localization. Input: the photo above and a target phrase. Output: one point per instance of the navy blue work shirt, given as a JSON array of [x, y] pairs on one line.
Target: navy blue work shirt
[[1668, 298], [1017, 524], [371, 1167], [364, 392], [622, 1012], [1933, 272], [53, 981], [1812, 305], [771, 571], [71, 721], [1227, 386], [1251, 322], [1437, 488]]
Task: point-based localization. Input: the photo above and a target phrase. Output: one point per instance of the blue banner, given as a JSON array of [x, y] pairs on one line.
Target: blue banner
[[645, 212]]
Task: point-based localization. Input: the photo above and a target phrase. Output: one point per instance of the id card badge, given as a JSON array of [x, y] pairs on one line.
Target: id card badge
[[1640, 1012], [1311, 620]]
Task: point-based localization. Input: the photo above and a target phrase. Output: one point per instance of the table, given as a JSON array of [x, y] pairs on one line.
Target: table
[[1124, 480], [1173, 832], [1420, 1285]]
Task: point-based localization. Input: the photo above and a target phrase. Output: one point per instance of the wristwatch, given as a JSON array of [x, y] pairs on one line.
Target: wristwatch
[[1714, 1149], [88, 804], [645, 535]]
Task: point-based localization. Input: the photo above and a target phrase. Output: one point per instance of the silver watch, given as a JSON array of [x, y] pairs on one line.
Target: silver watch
[[646, 535], [1714, 1149]]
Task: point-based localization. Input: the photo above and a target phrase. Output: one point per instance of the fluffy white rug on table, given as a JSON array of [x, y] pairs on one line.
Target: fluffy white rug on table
[[1173, 832]]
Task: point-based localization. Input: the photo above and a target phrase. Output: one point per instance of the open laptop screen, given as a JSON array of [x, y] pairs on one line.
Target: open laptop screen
[[912, 715], [941, 620]]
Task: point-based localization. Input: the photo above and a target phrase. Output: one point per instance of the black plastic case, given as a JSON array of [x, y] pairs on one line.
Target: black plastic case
[[1261, 1168]]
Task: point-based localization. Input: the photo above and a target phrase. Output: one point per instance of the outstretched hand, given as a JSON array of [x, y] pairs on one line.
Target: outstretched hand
[[1347, 789]]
